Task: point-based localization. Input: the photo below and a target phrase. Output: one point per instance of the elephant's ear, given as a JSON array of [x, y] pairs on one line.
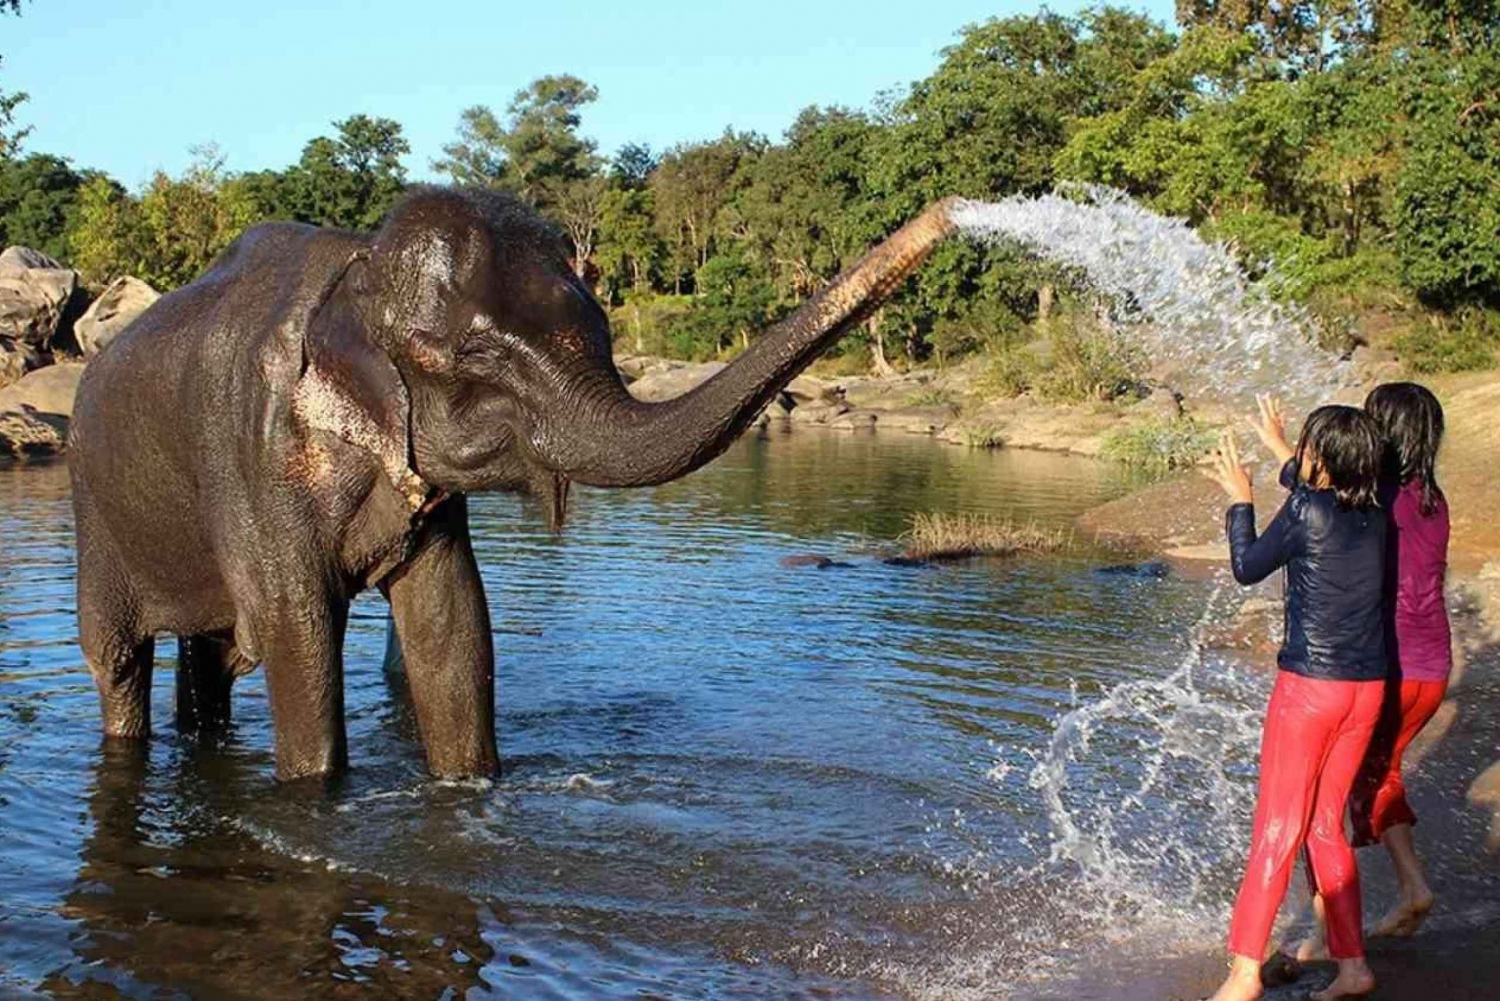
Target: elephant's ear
[[349, 387]]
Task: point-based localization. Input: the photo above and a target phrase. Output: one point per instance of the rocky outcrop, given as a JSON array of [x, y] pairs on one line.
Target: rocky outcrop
[[47, 390], [34, 411], [34, 294], [27, 433], [122, 301]]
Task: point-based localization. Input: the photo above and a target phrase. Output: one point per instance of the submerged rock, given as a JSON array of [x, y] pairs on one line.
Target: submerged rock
[[805, 560]]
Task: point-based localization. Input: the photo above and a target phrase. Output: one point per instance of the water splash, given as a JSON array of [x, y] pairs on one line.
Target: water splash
[[1163, 852], [1208, 330]]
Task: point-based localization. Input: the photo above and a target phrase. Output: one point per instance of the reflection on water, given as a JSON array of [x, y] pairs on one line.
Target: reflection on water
[[722, 778]]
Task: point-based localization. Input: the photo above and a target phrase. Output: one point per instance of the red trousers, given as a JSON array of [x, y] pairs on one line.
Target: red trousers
[[1379, 799], [1314, 741]]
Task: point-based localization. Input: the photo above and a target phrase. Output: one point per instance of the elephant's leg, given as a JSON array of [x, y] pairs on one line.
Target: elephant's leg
[[119, 657], [443, 625], [205, 674], [122, 673], [302, 651]]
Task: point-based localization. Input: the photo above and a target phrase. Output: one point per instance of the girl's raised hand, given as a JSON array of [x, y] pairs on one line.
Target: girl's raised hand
[[1226, 471], [1269, 424]]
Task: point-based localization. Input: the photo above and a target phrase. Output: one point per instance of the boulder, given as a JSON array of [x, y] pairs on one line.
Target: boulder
[[818, 413], [857, 420], [34, 293], [26, 433], [26, 259], [665, 383], [918, 420], [1163, 403], [47, 390], [124, 300]]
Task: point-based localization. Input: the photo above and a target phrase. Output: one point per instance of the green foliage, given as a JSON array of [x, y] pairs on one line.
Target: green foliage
[[1350, 153], [38, 200], [1160, 443], [734, 302], [1461, 343], [938, 397], [1086, 362], [169, 234]]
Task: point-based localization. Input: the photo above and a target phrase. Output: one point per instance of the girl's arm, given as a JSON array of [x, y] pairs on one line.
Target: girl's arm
[[1269, 425], [1252, 559]]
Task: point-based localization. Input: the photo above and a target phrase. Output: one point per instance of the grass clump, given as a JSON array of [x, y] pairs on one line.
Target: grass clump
[[934, 536], [983, 436], [936, 397], [1160, 443], [1465, 342]]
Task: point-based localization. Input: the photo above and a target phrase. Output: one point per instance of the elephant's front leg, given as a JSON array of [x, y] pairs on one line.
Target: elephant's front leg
[[303, 642], [443, 623]]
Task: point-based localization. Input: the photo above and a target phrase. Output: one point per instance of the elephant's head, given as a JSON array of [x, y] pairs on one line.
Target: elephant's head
[[505, 356]]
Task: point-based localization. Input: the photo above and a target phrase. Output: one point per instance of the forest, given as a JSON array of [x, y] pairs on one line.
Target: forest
[[1348, 150]]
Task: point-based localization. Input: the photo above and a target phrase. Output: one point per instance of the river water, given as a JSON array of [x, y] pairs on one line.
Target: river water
[[722, 778]]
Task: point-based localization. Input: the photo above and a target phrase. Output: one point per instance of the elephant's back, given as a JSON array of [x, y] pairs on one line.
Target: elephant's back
[[202, 345]]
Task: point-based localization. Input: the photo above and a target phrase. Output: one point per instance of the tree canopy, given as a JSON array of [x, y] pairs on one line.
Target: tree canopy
[[1353, 149]]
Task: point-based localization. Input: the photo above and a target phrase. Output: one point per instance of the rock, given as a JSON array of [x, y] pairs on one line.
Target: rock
[[818, 413], [47, 390], [918, 420], [124, 300], [26, 433], [34, 293], [806, 560], [665, 383], [1164, 403], [26, 259], [810, 389], [856, 420]]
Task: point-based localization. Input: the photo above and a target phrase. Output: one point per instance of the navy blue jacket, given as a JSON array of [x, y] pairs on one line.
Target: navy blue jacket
[[1335, 562]]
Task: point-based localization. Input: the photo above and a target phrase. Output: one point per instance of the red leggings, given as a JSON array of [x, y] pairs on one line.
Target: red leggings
[[1315, 737], [1379, 799]]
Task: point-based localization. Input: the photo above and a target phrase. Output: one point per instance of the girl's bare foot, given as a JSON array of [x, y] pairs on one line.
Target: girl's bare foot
[[1243, 982], [1354, 981], [1312, 949], [1404, 919]]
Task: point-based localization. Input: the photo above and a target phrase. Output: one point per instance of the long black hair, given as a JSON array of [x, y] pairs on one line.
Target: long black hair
[[1347, 446], [1411, 421]]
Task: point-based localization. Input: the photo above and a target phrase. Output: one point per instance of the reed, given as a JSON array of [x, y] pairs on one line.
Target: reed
[[932, 536]]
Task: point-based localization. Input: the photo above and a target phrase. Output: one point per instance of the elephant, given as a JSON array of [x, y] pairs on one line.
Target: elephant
[[306, 420]]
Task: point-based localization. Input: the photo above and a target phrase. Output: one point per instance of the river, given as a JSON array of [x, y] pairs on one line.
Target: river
[[722, 778]]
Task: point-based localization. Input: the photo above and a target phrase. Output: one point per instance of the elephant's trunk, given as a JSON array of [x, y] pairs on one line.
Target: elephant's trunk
[[615, 440]]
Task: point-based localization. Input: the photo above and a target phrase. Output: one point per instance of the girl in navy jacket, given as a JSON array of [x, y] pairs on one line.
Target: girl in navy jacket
[[1330, 538]]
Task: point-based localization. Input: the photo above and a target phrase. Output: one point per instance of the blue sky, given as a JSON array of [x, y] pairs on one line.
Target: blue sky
[[129, 87]]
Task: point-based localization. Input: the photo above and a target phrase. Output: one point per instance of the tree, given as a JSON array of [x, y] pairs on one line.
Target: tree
[[691, 187], [169, 234], [349, 181], [38, 201], [10, 135], [535, 152], [630, 250]]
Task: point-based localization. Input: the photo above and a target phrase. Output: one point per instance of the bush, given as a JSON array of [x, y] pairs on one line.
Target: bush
[[1087, 363], [1463, 342], [1008, 373], [1160, 443], [938, 397]]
